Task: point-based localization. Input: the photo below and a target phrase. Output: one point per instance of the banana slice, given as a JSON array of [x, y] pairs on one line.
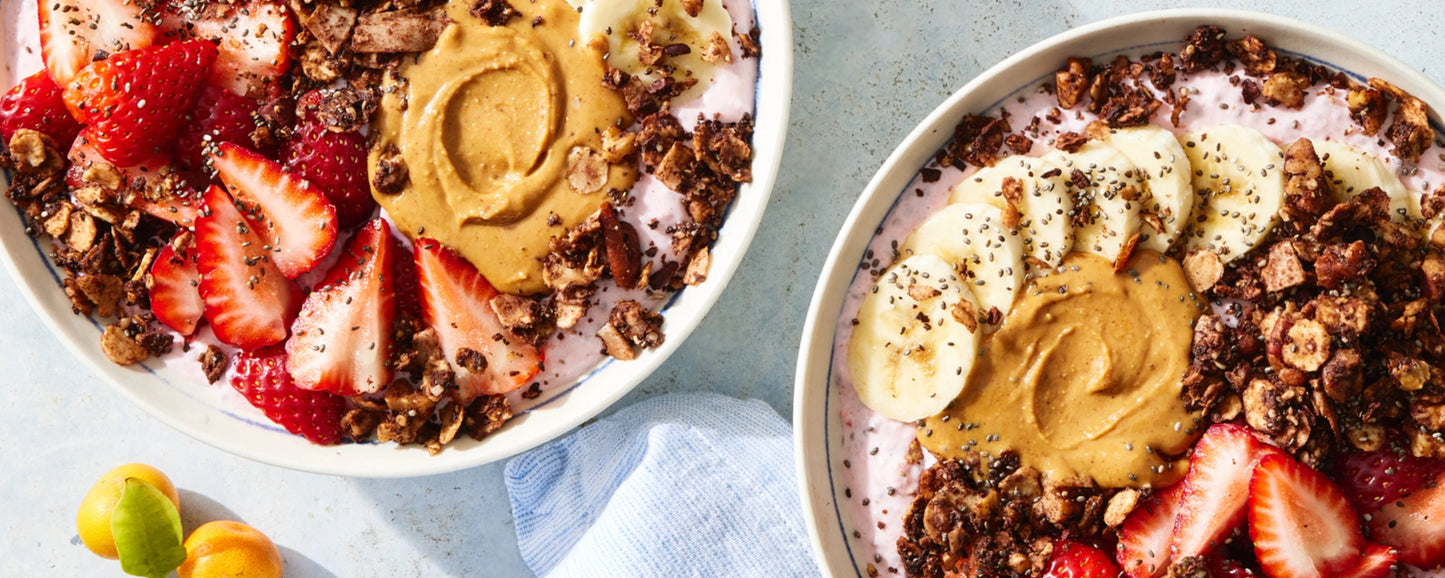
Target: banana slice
[[1113, 194], [1239, 176], [616, 23], [1352, 171], [1043, 208], [1161, 159], [972, 238], [915, 341], [1433, 232]]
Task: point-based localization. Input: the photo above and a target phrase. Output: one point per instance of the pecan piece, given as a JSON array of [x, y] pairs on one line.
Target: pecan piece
[[624, 256]]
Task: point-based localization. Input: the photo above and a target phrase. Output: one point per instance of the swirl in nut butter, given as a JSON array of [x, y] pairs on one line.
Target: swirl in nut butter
[[491, 124]]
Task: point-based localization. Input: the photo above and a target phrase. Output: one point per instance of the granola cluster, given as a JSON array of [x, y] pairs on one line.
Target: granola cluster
[[1330, 338], [1324, 339], [1004, 523], [103, 248]]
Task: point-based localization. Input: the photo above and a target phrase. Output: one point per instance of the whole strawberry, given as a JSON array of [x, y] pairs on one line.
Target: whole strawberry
[[135, 100], [1373, 479], [1079, 560], [36, 104], [262, 379], [219, 116], [333, 160]]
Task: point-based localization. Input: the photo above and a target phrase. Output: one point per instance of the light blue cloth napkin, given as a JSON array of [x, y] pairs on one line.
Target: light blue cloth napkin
[[695, 484]]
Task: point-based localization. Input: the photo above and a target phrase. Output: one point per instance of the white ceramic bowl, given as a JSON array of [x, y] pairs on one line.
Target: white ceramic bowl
[[175, 397], [818, 430]]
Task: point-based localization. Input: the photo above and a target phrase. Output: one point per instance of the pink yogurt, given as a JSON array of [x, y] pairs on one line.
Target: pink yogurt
[[875, 484]]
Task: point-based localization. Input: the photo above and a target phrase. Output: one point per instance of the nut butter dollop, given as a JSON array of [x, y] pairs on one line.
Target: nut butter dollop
[[1083, 379], [486, 122]]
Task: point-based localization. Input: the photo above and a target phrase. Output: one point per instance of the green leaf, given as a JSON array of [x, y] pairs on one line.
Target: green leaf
[[147, 531]]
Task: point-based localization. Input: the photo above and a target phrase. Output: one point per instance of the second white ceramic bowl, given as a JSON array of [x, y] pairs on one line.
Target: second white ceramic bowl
[[818, 430]]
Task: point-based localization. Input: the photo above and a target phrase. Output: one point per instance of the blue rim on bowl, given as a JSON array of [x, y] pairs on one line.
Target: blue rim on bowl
[[817, 424], [176, 399]]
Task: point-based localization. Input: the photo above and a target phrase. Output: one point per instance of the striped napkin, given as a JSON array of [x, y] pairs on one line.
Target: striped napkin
[[695, 484]]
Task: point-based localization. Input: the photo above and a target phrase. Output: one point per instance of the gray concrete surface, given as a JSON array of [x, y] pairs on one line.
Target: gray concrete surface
[[866, 72]]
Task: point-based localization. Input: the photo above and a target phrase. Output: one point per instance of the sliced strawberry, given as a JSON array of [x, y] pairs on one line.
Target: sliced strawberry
[[456, 302], [1144, 536], [36, 104], [334, 161], [151, 185], [262, 379], [342, 338], [252, 36], [135, 100], [1378, 561], [408, 291], [1373, 479], [175, 289], [1216, 488], [249, 302], [219, 116], [1076, 560], [291, 216], [1415, 525], [75, 32], [1301, 523]]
